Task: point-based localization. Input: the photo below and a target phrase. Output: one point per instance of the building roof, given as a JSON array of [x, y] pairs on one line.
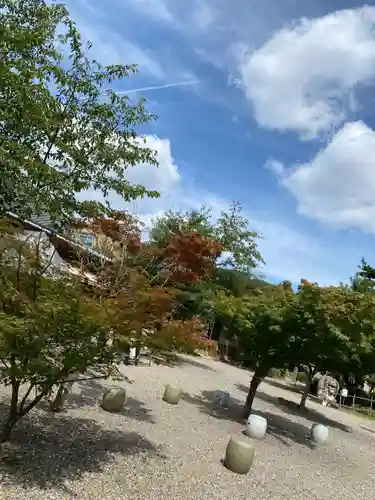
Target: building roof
[[43, 220], [66, 245]]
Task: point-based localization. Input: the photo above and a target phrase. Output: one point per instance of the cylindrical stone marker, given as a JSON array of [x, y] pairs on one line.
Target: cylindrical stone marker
[[172, 394], [319, 433], [239, 455], [113, 399], [256, 427]]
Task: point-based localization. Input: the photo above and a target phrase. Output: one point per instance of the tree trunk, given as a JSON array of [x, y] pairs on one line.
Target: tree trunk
[[259, 374], [137, 354], [13, 416], [8, 427], [18, 409], [58, 403], [61, 396], [222, 353], [310, 374]]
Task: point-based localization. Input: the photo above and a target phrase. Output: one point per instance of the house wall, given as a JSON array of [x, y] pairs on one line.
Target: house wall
[[50, 253]]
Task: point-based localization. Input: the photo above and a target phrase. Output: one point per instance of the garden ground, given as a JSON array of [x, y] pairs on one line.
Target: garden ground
[[154, 450]]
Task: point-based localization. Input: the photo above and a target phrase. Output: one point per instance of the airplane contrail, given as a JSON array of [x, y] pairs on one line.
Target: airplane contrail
[[158, 87]]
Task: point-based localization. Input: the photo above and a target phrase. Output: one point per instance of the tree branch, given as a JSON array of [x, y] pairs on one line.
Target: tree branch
[[69, 381], [23, 401]]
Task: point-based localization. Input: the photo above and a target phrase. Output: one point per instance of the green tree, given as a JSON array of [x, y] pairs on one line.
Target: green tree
[[364, 280], [238, 283], [63, 131], [239, 243], [171, 223], [366, 271], [320, 328], [233, 271], [195, 299], [56, 326], [234, 265], [332, 327], [198, 299], [232, 231], [360, 284], [257, 322], [50, 328]]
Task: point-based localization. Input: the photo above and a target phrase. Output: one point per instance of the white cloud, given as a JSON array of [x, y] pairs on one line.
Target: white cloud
[[157, 9], [110, 46], [164, 178], [275, 166], [145, 59], [338, 185], [191, 18], [303, 78]]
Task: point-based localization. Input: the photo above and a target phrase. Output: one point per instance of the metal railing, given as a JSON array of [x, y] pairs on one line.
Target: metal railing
[[365, 406]]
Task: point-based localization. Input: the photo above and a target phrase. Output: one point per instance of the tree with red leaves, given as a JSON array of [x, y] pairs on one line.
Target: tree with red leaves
[[239, 250], [190, 257]]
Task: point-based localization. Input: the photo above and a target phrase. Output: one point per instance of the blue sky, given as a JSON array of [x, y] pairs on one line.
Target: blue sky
[[271, 103]]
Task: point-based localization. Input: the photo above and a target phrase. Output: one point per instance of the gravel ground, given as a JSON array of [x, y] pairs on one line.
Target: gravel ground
[[153, 450]]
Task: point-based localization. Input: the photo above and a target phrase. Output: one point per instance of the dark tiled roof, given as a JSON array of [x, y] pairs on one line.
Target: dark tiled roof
[[42, 220], [34, 226]]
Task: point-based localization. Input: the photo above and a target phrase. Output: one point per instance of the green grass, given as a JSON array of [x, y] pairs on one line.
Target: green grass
[[364, 412]]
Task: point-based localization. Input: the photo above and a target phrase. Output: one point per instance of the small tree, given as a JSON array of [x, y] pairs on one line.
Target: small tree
[[332, 326], [237, 283], [231, 264], [258, 324], [189, 257], [170, 223], [364, 280], [55, 327], [238, 243], [139, 284], [50, 328], [232, 231]]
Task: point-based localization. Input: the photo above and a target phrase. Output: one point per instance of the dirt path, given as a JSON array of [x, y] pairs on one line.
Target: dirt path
[[275, 388], [284, 389], [152, 449]]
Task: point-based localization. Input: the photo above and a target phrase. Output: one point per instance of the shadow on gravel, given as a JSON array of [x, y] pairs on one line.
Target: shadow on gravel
[[280, 385], [367, 429], [194, 362], [283, 429], [291, 408], [90, 394], [47, 450]]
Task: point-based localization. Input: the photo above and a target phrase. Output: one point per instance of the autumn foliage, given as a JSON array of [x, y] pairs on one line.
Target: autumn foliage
[[139, 286], [185, 336], [190, 257], [119, 226]]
